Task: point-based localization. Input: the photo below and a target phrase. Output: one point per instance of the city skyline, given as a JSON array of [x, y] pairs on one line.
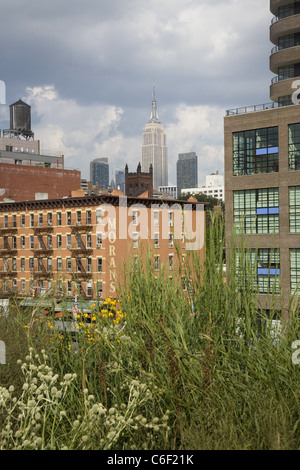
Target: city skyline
[[90, 88]]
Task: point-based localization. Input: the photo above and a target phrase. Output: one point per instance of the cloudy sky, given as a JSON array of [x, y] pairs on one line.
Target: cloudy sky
[[87, 68]]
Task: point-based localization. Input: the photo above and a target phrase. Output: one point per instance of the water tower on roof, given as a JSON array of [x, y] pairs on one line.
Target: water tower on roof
[[20, 121]]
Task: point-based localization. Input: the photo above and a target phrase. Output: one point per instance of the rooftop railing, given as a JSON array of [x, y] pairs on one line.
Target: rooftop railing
[[251, 109]]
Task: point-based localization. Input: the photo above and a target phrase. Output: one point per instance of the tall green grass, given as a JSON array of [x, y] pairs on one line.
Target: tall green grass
[[194, 369]]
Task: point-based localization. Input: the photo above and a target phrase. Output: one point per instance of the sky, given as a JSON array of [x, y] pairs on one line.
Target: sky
[[87, 69]]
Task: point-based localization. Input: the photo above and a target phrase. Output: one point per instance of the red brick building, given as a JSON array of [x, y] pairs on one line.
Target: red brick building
[[26, 183]]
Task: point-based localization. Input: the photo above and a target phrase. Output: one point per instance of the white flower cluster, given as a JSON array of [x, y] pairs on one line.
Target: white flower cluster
[[41, 397], [40, 418], [121, 422]]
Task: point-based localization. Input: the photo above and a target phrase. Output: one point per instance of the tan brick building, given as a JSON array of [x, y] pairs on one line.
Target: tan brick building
[[80, 243]]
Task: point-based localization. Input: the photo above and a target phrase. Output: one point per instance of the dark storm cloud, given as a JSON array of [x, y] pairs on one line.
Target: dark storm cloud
[[108, 52]]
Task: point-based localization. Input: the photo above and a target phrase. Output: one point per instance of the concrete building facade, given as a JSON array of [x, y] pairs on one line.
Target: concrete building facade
[[262, 178]]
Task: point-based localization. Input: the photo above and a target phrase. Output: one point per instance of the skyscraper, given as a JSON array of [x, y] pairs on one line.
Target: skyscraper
[[154, 148], [120, 180], [187, 171], [99, 172], [262, 164]]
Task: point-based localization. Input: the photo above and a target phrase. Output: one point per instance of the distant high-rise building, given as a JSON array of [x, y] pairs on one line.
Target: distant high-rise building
[[120, 180], [99, 172], [187, 171], [154, 148]]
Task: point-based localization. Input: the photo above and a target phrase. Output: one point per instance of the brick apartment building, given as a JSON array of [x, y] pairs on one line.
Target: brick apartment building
[[80, 243]]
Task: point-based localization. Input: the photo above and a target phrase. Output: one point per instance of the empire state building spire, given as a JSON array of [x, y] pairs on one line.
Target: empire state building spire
[[154, 114], [154, 148]]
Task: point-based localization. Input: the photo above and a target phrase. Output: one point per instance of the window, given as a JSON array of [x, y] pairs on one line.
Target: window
[[5, 243], [89, 265], [41, 243], [78, 218], [294, 147], [22, 264], [78, 240], [69, 218], [69, 287], [78, 265], [22, 220], [134, 218], [68, 240], [286, 71], [49, 241], [89, 289], [58, 218], [22, 285], [294, 196], [268, 270], [49, 264], [170, 219], [14, 242], [49, 218], [41, 219], [156, 240], [69, 265], [99, 240], [171, 261], [6, 221], [156, 218], [59, 264], [88, 217], [40, 264], [257, 211], [135, 240], [255, 151], [14, 220], [156, 263], [260, 270], [14, 264], [99, 289], [89, 240], [31, 220], [99, 216], [171, 240], [58, 241], [99, 265], [31, 264], [22, 242], [295, 270]]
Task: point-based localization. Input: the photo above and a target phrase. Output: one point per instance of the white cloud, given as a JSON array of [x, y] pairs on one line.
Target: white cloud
[[197, 129]]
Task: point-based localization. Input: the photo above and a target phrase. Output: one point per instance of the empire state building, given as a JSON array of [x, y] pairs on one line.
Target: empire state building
[[154, 148]]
